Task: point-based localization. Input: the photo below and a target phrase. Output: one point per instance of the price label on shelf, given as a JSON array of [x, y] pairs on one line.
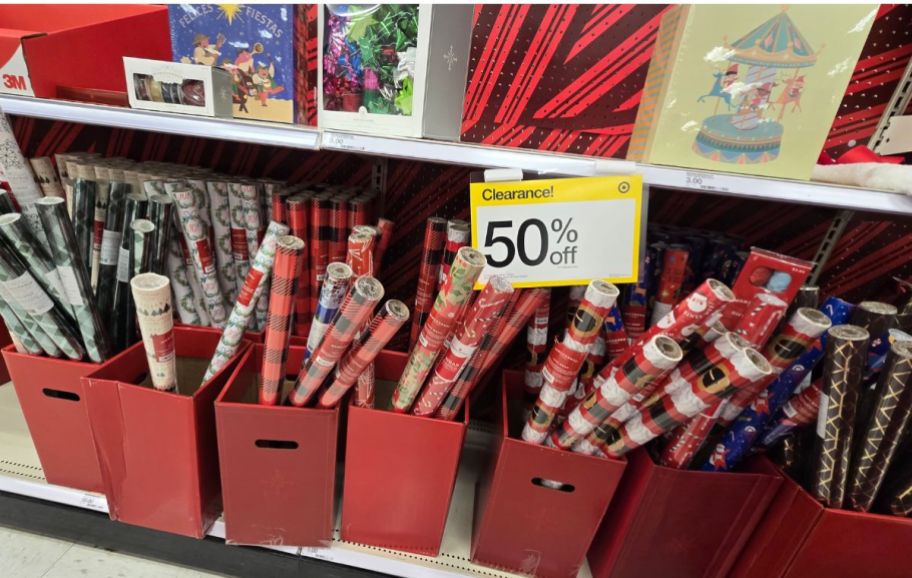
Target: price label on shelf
[[554, 232]]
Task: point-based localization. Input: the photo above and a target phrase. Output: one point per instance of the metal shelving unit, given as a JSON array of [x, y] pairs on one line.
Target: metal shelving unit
[[472, 155]]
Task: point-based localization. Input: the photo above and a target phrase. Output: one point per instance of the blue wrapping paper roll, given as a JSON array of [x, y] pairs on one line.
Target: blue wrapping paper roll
[[743, 434]]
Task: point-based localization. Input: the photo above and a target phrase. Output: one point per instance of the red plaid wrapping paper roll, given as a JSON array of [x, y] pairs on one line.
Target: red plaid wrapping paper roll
[[385, 226], [357, 212], [431, 257], [286, 274], [449, 303], [458, 234], [566, 358], [480, 318], [321, 234], [279, 211], [674, 268], [298, 210], [358, 306], [537, 344], [338, 219]]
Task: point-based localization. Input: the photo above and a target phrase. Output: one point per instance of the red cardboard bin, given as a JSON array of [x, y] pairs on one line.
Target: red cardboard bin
[[158, 450], [278, 463], [43, 47], [535, 528], [798, 537], [54, 405], [400, 471], [688, 524]]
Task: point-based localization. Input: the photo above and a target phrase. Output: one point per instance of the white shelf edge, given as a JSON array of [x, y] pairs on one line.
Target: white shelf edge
[[465, 154]]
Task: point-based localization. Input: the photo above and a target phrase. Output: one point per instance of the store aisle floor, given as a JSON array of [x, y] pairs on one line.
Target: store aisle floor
[[27, 555]]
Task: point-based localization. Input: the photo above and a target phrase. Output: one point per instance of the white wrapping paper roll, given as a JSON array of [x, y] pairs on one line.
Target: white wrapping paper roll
[[152, 296]]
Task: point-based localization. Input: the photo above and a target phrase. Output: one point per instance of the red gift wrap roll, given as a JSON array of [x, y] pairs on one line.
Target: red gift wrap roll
[[760, 318], [360, 254], [338, 223], [458, 235], [431, 256], [297, 210], [537, 344], [320, 236]]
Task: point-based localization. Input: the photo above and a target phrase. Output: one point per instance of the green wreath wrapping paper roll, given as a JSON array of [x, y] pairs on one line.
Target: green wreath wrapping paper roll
[[220, 213], [152, 295], [239, 252], [251, 201], [250, 293], [180, 277]]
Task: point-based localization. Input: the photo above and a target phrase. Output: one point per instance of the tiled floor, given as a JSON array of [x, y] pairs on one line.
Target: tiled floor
[[25, 555]]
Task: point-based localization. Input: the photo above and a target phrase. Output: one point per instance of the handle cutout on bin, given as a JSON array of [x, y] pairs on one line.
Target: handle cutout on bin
[[60, 394], [277, 444], [553, 485]]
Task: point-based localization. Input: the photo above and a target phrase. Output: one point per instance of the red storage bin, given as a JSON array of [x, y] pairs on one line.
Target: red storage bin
[[668, 522], [278, 463], [54, 405], [798, 537], [524, 526], [400, 471], [158, 451]]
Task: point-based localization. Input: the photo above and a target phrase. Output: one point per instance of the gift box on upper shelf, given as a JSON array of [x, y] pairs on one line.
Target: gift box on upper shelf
[[400, 470], [688, 524], [168, 86], [45, 47], [393, 69], [278, 463], [747, 89], [255, 43], [799, 537], [538, 508], [158, 449]]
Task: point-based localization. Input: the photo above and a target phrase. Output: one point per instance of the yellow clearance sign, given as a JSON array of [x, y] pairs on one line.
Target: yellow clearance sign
[[555, 232]]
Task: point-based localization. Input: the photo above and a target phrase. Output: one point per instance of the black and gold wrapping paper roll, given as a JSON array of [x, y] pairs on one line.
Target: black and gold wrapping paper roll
[[878, 318], [846, 351], [889, 421], [875, 317], [160, 211]]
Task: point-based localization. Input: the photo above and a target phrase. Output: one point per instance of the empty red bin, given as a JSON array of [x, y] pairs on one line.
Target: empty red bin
[[798, 537], [53, 402], [400, 471], [688, 524], [278, 463], [158, 450], [538, 508]]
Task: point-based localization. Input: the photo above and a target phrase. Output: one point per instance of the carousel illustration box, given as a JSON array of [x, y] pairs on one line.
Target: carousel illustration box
[[254, 42], [747, 89]]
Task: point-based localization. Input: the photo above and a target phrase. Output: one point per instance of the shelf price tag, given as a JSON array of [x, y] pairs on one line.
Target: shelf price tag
[[554, 232]]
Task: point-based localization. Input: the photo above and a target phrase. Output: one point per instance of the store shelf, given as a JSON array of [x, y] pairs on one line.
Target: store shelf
[[20, 473], [472, 155]]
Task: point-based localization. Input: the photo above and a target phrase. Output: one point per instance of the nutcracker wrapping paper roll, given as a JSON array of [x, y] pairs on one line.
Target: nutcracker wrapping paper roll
[[431, 258], [842, 371], [321, 235], [83, 218], [240, 254], [616, 341], [46, 176], [882, 433], [458, 235], [651, 362], [388, 320], [338, 223], [455, 292], [674, 267], [663, 413], [386, 236], [357, 308], [286, 275], [801, 409], [479, 320], [161, 213], [102, 194], [298, 208], [250, 293], [566, 358], [744, 432], [360, 256], [335, 287], [31, 326], [152, 295], [220, 217], [537, 345]]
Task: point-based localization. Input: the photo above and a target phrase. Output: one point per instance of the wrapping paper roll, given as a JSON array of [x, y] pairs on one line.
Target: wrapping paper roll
[[152, 295], [842, 371], [332, 293], [37, 260], [456, 291], [649, 365], [479, 320], [674, 267], [357, 212], [391, 317], [636, 301], [458, 235], [360, 256], [801, 409], [574, 298], [298, 208], [239, 250], [34, 330], [21, 337], [338, 223], [142, 233], [566, 358], [102, 194], [109, 248], [135, 208], [161, 213], [888, 425], [357, 308], [18, 173], [20, 286], [6, 201], [285, 277], [278, 211], [761, 317], [250, 293], [428, 273], [616, 341], [687, 439], [220, 217], [594, 360], [83, 218], [744, 432], [537, 345], [253, 224], [46, 176], [180, 276], [663, 413], [386, 236], [321, 235]]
